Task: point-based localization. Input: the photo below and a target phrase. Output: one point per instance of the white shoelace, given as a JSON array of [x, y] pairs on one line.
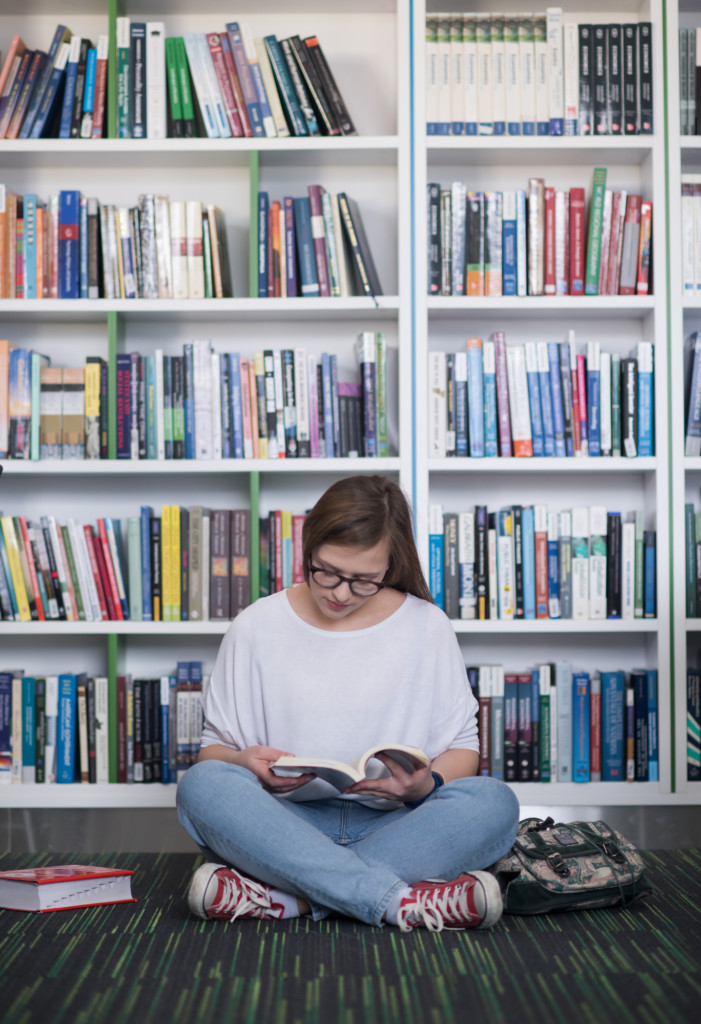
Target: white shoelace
[[437, 908], [244, 898]]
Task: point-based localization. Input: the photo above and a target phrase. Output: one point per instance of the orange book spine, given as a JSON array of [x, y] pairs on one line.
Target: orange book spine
[[643, 277]]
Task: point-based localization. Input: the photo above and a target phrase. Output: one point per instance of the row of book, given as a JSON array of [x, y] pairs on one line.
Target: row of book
[[199, 405], [312, 246], [525, 74], [58, 92], [281, 547], [540, 399], [555, 724], [177, 564], [691, 234], [537, 241], [62, 729], [531, 562], [216, 84], [75, 247], [690, 81]]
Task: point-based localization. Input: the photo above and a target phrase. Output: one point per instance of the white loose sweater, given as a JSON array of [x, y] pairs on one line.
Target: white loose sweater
[[281, 682]]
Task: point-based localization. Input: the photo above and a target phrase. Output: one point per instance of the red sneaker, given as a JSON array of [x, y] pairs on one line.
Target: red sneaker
[[469, 901], [220, 892]]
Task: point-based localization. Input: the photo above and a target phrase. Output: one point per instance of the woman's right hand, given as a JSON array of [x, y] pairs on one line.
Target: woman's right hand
[[258, 759]]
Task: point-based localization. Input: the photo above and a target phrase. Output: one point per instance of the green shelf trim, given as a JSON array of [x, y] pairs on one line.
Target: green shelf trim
[[114, 13], [253, 178], [670, 404]]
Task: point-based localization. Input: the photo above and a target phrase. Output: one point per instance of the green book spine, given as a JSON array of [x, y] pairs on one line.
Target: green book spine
[[615, 404], [186, 102], [639, 600], [134, 560], [174, 91], [596, 214], [690, 531], [73, 570], [381, 389], [207, 258]]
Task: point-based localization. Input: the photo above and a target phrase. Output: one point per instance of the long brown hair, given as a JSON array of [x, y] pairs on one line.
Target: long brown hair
[[362, 511]]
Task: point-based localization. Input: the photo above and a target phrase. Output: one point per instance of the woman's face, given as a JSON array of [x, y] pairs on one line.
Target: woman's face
[[356, 563]]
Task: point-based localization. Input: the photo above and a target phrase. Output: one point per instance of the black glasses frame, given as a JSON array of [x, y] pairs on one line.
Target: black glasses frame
[[314, 569]]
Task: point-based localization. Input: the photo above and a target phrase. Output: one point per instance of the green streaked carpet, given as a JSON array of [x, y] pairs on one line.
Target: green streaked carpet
[[151, 961]]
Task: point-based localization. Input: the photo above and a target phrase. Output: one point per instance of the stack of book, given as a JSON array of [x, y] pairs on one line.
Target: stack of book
[[520, 74], [218, 85], [61, 729], [691, 235], [224, 84], [57, 92], [74, 247], [531, 562], [542, 399], [690, 81], [184, 564], [553, 724], [312, 246], [198, 405], [281, 562], [536, 241]]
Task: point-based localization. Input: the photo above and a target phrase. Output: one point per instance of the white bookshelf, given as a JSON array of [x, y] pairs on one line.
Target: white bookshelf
[[684, 319], [636, 163], [372, 70]]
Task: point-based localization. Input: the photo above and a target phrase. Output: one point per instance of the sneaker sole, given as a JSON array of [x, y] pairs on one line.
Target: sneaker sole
[[198, 888], [493, 902]]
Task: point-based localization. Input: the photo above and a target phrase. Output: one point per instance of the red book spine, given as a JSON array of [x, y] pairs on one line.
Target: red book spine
[[278, 550], [643, 279], [32, 568], [53, 252], [550, 287], [121, 729], [595, 735], [95, 571], [102, 569], [297, 560], [483, 717], [541, 572], [100, 98], [232, 113], [577, 241], [237, 93], [610, 286], [110, 568]]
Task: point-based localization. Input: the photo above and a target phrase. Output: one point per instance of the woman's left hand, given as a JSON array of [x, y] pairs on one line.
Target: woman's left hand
[[399, 785]]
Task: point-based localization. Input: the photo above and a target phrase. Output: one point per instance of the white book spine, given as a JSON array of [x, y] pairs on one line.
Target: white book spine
[[457, 75], [302, 397], [470, 107], [605, 381], [199, 78], [484, 77], [555, 71], [160, 405], [687, 209], [195, 251], [526, 47], [512, 57], [571, 73], [280, 124], [437, 408], [102, 765], [202, 385], [213, 88], [71, 612], [88, 592], [498, 75], [628, 571], [156, 99], [431, 51], [542, 78], [249, 48], [444, 83], [179, 260], [580, 562], [466, 560], [215, 371], [561, 242], [518, 400], [51, 710], [340, 247], [697, 232]]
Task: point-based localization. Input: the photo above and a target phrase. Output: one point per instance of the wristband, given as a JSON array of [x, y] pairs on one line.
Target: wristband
[[438, 781]]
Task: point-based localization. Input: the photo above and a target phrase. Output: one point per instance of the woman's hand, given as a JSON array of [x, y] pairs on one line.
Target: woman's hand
[[257, 760], [400, 785]]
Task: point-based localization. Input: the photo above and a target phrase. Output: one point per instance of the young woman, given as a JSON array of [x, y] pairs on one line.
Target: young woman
[[357, 655]]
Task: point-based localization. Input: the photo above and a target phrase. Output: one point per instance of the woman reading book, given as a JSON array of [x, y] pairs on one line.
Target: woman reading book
[[357, 656]]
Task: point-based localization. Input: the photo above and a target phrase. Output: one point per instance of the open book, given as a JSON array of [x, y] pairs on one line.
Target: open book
[[342, 775]]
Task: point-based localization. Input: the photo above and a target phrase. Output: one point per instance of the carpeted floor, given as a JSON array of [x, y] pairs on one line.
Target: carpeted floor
[[151, 961]]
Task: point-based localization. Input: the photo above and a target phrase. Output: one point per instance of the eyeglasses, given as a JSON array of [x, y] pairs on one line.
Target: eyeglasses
[[330, 580]]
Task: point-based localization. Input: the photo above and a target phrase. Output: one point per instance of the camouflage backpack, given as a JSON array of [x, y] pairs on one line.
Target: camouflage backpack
[[581, 865]]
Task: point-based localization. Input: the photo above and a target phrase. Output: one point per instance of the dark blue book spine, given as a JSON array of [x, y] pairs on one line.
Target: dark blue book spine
[[123, 405], [64, 131], [42, 84], [650, 574], [653, 752], [189, 401], [67, 728], [290, 251], [263, 243], [69, 244], [146, 607], [309, 282], [581, 761], [236, 406], [290, 103]]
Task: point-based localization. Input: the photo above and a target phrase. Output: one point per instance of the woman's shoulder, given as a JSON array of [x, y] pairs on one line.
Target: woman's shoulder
[[261, 614], [428, 613]]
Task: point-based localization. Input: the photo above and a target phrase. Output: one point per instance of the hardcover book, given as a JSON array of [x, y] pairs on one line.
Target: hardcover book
[[62, 887]]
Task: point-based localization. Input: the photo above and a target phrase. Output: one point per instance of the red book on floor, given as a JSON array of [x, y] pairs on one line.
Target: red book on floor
[[63, 887]]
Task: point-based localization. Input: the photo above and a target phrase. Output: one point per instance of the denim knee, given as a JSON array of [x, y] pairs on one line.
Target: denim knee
[[203, 779], [492, 800]]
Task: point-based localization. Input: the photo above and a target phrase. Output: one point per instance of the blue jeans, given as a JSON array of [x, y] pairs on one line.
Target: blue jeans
[[340, 855]]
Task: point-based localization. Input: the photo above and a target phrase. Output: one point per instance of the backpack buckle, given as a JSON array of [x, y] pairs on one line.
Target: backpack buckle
[[612, 851], [542, 826], [558, 865]]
